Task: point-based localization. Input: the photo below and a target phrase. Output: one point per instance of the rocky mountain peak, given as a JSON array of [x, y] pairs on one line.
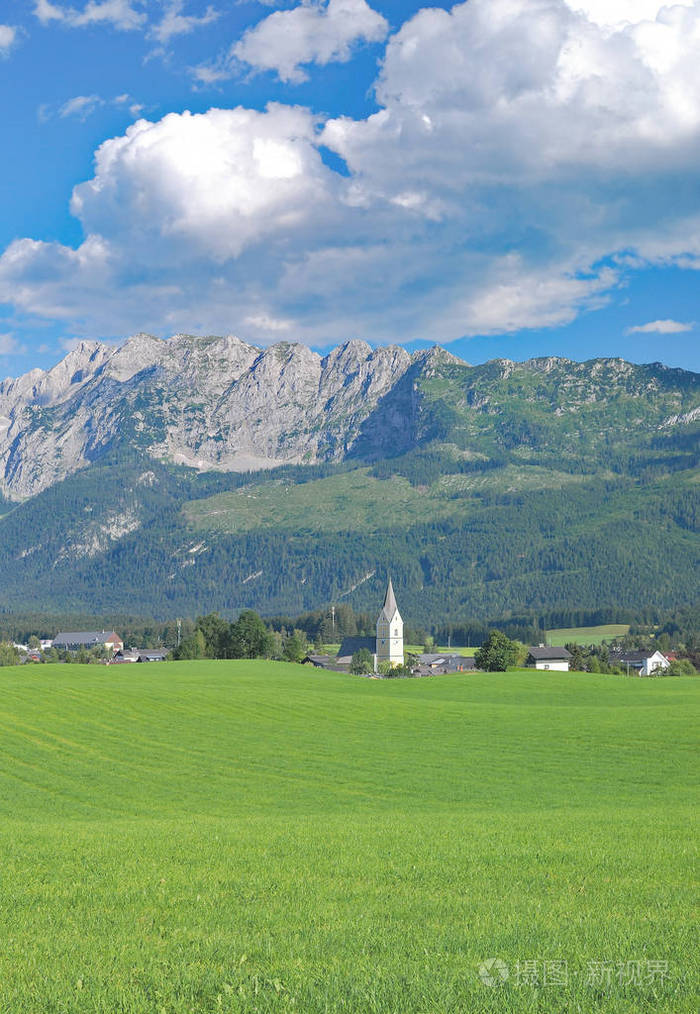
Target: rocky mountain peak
[[436, 356], [546, 364], [217, 402]]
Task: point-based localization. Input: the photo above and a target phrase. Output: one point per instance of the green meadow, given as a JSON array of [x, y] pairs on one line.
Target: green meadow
[[587, 635], [205, 837], [359, 502]]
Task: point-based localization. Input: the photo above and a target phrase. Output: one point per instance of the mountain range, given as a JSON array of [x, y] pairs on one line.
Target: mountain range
[[195, 473]]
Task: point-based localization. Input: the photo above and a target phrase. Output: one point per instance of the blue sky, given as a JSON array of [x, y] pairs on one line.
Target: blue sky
[[503, 177]]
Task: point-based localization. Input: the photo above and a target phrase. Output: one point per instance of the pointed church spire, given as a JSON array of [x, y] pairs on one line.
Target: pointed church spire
[[389, 607]]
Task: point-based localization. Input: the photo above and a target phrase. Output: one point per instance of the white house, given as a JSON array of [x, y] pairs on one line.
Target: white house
[[645, 662], [390, 630], [556, 659]]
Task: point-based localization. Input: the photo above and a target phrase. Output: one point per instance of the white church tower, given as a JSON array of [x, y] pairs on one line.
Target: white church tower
[[390, 630]]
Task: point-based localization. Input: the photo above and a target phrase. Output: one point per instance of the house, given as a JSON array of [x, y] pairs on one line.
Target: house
[[327, 662], [351, 645], [152, 655], [74, 640], [542, 657], [645, 662], [140, 655], [432, 662], [317, 661]]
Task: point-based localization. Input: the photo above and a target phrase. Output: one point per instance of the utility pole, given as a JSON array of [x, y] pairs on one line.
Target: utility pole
[[333, 621], [179, 630]]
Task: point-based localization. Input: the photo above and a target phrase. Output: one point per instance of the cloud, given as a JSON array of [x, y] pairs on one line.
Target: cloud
[[314, 32], [174, 22], [617, 13], [135, 108], [524, 158], [81, 106], [661, 327], [8, 38], [209, 184], [267, 324], [121, 14], [209, 203], [9, 345], [524, 90]]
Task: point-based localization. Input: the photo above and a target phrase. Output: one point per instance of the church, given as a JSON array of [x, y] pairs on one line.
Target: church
[[388, 644]]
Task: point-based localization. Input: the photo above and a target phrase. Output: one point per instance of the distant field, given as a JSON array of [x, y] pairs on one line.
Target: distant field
[[205, 837], [586, 635], [418, 649]]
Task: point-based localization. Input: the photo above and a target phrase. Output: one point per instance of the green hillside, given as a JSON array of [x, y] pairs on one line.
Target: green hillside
[[202, 837], [455, 555]]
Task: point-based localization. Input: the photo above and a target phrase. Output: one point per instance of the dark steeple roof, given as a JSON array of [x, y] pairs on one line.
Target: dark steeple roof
[[389, 607]]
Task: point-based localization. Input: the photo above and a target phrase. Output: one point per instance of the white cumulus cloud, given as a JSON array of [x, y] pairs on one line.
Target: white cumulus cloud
[[207, 184], [314, 32], [525, 155]]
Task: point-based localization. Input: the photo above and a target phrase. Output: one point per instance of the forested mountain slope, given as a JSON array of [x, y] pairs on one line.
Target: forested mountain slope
[[485, 490]]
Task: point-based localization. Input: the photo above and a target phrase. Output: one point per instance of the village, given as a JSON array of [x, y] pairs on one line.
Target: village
[[381, 656]]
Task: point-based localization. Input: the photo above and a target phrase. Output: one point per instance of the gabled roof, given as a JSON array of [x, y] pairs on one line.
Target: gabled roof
[[389, 609], [86, 637], [549, 654], [432, 658], [352, 644], [634, 656]]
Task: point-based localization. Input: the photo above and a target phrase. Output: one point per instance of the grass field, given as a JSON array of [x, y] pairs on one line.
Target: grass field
[[587, 635], [201, 837]]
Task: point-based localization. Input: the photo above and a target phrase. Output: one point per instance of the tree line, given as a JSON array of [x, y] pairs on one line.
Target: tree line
[[247, 637]]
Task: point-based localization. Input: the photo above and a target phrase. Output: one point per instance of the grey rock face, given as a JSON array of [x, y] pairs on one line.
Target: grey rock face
[[210, 403], [220, 403]]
